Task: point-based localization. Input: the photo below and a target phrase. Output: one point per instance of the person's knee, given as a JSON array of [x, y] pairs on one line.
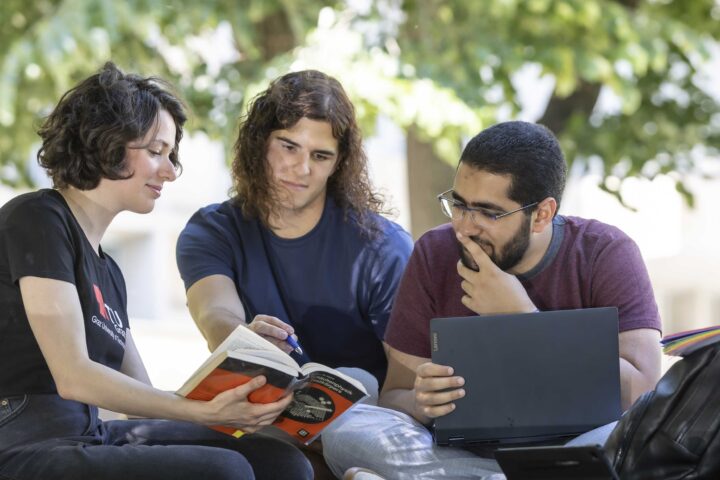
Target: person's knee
[[291, 464], [224, 464], [375, 438], [181, 462], [349, 444], [367, 379]]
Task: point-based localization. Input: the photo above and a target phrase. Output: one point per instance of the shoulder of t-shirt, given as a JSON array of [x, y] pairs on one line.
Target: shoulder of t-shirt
[[219, 216], [591, 229], [39, 206], [437, 248], [438, 238], [216, 211], [384, 232], [391, 233]]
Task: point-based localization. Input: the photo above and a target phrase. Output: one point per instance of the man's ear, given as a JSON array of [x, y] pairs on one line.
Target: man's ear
[[544, 214]]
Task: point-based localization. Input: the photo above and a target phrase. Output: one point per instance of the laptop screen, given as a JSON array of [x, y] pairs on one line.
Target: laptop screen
[[529, 377]]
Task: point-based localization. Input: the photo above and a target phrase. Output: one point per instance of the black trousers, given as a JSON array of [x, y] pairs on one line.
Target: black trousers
[[44, 437]]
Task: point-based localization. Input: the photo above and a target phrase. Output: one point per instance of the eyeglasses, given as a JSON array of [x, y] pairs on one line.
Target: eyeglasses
[[455, 209]]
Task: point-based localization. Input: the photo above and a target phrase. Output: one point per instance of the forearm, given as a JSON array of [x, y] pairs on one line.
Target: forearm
[[215, 306], [640, 363], [96, 384], [402, 400], [634, 383], [216, 325]]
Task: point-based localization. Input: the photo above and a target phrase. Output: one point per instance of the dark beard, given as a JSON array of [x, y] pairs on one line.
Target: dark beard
[[511, 254]]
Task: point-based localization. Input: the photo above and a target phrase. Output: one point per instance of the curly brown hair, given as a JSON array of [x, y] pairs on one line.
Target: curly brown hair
[[317, 96], [86, 135]]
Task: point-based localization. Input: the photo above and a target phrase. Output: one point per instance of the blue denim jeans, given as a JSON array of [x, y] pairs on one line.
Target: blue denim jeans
[[46, 437]]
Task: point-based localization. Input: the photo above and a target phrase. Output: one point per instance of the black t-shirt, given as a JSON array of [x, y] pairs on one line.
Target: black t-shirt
[[40, 237]]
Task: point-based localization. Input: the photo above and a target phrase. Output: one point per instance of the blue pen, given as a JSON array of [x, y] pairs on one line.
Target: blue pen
[[293, 343]]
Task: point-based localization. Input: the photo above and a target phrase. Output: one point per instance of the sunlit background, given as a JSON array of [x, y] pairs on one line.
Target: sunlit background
[[630, 87]]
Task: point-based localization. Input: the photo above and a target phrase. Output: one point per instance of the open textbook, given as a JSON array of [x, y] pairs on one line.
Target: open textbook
[[321, 394]]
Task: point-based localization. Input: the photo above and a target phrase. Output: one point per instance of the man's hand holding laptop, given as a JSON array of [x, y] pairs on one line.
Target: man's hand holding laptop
[[435, 391]]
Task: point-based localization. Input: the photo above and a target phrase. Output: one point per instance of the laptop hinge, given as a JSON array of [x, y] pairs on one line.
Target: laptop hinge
[[456, 441]]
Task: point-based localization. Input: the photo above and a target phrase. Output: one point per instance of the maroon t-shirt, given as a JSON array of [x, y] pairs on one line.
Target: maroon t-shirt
[[588, 264]]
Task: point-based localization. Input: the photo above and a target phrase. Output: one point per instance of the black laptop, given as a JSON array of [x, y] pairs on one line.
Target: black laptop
[[529, 378]]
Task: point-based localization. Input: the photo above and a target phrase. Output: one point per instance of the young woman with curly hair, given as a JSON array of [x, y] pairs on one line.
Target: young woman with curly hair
[[110, 145]]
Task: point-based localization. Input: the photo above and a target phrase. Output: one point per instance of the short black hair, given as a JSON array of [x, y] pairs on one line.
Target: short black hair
[[528, 152], [86, 135]]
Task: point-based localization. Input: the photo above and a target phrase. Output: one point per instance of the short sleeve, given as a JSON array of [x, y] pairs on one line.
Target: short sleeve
[[386, 270], [204, 246], [38, 242], [620, 279]]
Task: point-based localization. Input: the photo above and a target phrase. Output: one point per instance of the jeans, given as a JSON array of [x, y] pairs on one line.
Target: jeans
[[47, 437], [367, 379], [396, 446]]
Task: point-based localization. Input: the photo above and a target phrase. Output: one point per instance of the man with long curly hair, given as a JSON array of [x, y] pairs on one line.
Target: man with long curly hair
[[301, 248]]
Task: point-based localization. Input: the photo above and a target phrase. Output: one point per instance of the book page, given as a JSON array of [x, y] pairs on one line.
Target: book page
[[243, 339], [268, 358], [311, 367]]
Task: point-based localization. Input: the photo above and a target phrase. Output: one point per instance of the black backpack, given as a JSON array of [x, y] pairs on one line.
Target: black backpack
[[673, 432]]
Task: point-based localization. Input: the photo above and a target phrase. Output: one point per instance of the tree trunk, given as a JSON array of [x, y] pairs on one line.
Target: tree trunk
[[275, 36], [560, 110], [428, 176]]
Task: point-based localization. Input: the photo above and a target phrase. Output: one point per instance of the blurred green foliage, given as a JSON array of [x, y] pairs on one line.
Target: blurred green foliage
[[648, 57], [445, 68]]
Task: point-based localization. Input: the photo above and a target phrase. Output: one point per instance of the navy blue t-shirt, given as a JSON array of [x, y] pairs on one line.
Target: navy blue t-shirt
[[40, 237], [334, 285]]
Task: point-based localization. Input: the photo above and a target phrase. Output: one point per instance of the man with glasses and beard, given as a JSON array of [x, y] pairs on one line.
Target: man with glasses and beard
[[505, 251]]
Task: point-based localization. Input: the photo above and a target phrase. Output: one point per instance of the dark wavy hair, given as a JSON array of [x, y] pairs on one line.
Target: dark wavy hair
[[314, 95], [85, 137], [528, 152]]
